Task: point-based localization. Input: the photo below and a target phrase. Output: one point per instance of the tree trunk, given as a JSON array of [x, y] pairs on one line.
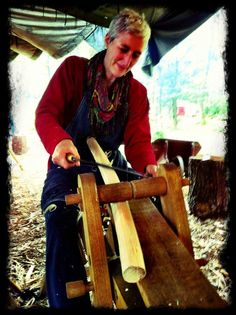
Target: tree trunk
[[208, 191]]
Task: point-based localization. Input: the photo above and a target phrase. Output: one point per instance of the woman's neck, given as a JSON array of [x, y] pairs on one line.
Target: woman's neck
[[109, 79]]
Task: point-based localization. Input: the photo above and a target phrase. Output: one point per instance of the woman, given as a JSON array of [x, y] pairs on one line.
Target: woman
[[100, 98]]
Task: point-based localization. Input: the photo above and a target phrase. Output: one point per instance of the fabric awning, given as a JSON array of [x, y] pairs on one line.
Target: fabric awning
[[58, 30]]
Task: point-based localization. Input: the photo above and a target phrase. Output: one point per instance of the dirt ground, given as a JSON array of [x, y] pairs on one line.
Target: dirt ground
[[26, 261]]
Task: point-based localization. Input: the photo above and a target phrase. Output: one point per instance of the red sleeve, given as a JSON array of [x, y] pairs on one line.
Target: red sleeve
[[59, 102], [137, 137]]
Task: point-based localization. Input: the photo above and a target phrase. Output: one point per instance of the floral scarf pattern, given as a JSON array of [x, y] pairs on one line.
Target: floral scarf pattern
[[107, 109]]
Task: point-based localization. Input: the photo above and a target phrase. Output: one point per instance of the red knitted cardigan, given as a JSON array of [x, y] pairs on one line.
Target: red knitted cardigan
[[64, 93]]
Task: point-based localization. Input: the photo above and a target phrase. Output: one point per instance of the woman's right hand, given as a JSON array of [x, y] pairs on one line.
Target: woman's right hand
[[62, 150]]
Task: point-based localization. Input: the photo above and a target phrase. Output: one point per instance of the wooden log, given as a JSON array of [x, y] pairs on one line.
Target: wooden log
[[19, 144], [208, 193], [173, 205], [141, 188], [173, 278], [131, 256]]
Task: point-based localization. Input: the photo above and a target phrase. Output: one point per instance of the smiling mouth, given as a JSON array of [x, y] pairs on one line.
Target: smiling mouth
[[121, 68]]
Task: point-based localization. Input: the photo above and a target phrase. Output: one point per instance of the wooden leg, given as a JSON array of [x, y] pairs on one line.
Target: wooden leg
[[99, 285], [94, 239], [173, 205]]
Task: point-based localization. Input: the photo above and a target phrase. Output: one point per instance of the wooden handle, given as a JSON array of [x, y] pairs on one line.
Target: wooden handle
[[78, 288], [70, 158], [131, 256]]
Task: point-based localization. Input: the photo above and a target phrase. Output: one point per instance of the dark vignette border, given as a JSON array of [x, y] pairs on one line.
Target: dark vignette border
[[228, 257]]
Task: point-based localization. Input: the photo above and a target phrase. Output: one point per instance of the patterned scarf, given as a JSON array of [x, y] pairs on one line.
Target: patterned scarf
[[107, 109]]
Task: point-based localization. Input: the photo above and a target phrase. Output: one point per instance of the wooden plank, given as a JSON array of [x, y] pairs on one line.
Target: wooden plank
[[131, 256], [95, 245], [173, 277], [173, 205]]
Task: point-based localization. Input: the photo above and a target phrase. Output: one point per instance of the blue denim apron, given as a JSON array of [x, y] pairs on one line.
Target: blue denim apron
[[63, 260], [60, 182]]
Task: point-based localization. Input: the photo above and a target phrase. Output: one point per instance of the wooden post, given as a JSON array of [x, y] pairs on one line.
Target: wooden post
[[173, 205], [95, 248], [208, 192]]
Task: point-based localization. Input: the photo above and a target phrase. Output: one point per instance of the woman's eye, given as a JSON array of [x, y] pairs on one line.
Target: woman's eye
[[136, 55], [124, 50]]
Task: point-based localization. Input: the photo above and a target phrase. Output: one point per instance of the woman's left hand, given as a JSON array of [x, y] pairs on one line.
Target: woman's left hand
[[151, 169]]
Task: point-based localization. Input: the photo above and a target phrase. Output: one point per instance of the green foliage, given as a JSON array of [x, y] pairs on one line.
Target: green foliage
[[189, 73], [216, 108], [159, 134]]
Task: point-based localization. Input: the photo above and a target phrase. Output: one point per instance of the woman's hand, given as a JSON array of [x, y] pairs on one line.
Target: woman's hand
[[151, 170], [62, 149]]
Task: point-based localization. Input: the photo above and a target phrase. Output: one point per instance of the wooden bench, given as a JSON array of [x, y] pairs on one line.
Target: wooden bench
[[171, 277], [172, 149]]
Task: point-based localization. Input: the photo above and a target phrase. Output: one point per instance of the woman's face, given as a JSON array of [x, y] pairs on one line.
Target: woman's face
[[122, 54]]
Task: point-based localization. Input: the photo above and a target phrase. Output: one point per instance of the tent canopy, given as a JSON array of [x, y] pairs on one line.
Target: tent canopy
[[57, 30]]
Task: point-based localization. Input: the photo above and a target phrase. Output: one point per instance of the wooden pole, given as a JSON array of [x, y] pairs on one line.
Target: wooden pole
[[136, 189], [131, 256]]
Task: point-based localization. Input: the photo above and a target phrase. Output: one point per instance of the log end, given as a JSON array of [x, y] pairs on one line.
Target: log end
[[133, 274]]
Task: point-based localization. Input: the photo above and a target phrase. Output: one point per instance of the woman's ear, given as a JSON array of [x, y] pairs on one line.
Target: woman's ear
[[107, 40]]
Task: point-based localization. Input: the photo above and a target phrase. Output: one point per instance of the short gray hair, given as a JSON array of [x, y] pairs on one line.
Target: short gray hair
[[129, 21]]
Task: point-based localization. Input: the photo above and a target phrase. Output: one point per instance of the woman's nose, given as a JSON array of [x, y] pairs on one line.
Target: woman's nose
[[128, 60]]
